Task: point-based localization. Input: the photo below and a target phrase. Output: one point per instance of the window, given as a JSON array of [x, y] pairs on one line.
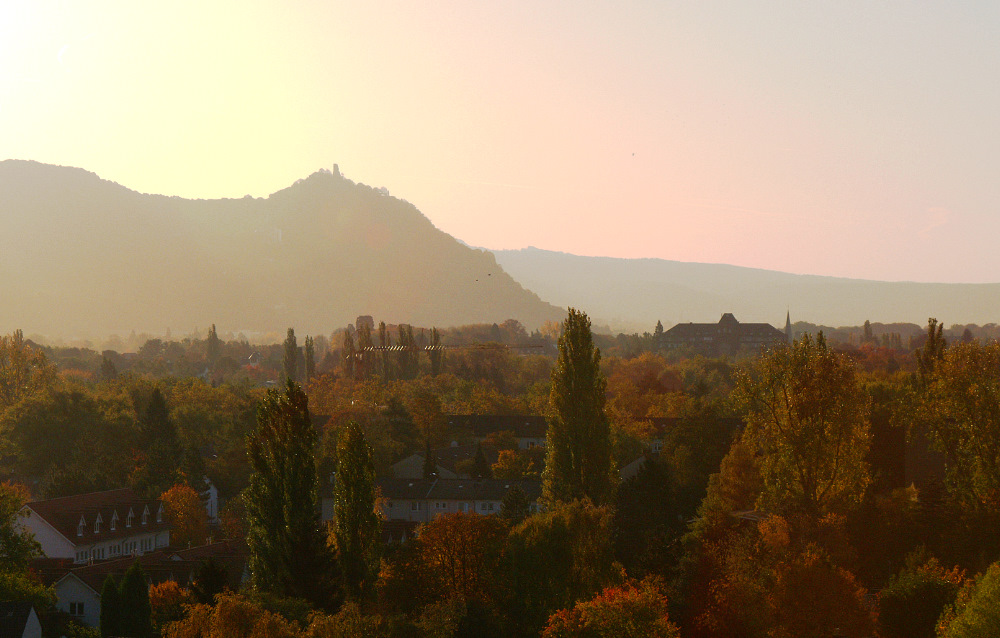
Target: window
[[75, 609], [130, 518], [97, 524], [491, 507], [79, 526], [114, 520], [482, 507], [413, 506], [159, 514], [145, 515]]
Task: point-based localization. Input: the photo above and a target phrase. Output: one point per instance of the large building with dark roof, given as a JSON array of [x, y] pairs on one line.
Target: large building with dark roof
[[97, 526], [727, 337]]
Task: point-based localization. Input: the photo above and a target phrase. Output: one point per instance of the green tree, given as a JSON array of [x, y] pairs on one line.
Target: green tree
[[365, 346], [976, 612], [436, 353], [658, 336], [807, 418], [962, 410], [349, 354], [310, 358], [356, 525], [578, 442], [480, 467], [384, 343], [515, 507], [135, 612], [288, 554], [213, 346], [108, 370], [290, 362], [160, 447], [110, 619], [933, 349], [209, 580], [17, 546], [912, 601]]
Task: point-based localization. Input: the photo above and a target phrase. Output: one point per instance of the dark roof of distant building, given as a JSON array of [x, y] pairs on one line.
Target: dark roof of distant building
[[523, 426], [14, 618], [65, 514], [728, 321], [456, 489]]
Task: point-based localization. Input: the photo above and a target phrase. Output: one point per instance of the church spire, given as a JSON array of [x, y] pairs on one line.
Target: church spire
[[788, 325]]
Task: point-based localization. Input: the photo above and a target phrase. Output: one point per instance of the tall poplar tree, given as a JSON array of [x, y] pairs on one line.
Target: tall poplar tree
[[291, 360], [288, 554], [349, 355], [356, 526], [310, 348], [364, 347], [134, 616], [110, 618], [213, 346], [436, 354], [578, 442], [385, 362]]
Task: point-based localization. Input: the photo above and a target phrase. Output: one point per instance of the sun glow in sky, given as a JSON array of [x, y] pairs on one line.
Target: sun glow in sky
[[853, 139]]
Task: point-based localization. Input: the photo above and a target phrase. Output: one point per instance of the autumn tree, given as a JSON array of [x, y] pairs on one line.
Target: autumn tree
[[356, 525], [933, 349], [912, 601], [185, 510], [578, 442], [633, 610], [288, 555], [24, 370], [976, 612], [462, 553], [290, 361], [807, 418], [166, 601]]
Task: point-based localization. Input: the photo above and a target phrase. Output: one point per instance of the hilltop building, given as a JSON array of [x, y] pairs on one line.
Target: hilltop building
[[726, 337]]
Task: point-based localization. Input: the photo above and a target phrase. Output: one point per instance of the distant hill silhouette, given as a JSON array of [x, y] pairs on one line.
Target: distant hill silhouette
[[81, 256], [632, 294]]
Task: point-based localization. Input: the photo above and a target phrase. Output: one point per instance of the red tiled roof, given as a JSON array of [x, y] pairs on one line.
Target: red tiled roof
[[64, 515]]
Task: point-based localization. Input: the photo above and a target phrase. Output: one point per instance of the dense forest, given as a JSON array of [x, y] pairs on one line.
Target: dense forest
[[843, 485]]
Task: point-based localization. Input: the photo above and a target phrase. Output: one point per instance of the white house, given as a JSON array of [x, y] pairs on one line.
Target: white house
[[97, 526]]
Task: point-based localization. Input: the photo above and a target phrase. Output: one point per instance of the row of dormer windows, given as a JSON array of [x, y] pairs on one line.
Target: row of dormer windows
[[82, 525]]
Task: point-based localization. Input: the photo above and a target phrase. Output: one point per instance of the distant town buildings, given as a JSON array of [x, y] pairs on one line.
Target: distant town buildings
[[727, 337]]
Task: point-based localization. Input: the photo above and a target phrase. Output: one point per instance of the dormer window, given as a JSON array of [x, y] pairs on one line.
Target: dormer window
[[97, 524], [145, 515], [130, 518], [114, 520], [80, 526], [159, 514]]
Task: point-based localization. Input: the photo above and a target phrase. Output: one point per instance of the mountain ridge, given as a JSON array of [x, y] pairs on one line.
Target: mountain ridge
[[84, 255]]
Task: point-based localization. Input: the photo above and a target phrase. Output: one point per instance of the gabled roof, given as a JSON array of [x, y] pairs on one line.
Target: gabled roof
[[523, 426], [65, 513], [14, 618]]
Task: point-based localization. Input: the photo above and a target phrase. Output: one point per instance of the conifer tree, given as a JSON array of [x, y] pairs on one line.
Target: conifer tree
[[658, 336], [291, 360], [578, 442], [430, 463], [480, 467], [288, 554], [135, 611], [160, 445], [356, 525], [213, 346], [110, 619]]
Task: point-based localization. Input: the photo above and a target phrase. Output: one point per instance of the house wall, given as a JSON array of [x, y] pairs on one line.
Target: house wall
[[54, 544], [73, 590]]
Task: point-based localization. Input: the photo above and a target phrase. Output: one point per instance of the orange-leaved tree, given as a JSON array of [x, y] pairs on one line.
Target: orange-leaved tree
[[186, 513], [633, 610]]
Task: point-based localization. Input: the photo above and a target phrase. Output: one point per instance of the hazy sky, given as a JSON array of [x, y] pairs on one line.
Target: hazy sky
[[856, 139]]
